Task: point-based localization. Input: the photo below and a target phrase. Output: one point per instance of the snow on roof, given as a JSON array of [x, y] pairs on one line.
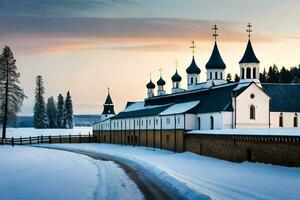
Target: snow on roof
[[241, 85], [257, 132], [139, 106], [180, 108]]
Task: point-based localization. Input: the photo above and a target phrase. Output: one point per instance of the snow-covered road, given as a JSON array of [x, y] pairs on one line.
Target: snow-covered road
[[29, 173], [193, 175]]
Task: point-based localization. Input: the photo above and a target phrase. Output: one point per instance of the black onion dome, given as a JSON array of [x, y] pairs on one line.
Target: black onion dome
[[249, 55], [161, 81], [193, 68], [215, 61], [150, 85], [176, 77]]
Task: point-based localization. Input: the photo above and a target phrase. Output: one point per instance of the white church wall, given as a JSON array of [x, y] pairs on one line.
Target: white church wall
[[205, 120], [288, 119], [227, 120], [190, 121], [253, 95]]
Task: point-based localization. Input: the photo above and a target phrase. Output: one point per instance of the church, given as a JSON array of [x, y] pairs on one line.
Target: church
[[193, 118]]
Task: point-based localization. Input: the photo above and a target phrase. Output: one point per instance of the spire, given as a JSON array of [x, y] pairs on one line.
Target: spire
[[249, 55], [108, 100], [215, 61], [193, 68], [108, 105]]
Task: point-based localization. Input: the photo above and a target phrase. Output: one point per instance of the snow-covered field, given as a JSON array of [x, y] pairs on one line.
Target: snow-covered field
[[26, 132], [30, 173], [216, 178]]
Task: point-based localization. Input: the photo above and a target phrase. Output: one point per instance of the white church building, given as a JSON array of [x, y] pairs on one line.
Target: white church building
[[213, 104]]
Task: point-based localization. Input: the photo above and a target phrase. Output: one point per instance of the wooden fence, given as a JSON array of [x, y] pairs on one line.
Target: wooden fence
[[48, 139]]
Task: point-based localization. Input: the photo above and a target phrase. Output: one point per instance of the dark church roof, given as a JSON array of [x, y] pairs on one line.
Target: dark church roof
[[249, 55], [193, 68], [284, 97], [176, 77], [108, 106], [161, 81], [108, 100], [150, 85], [215, 61]]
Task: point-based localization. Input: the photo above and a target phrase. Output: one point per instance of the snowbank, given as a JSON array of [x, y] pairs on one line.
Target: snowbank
[[35, 173], [255, 131], [216, 178], [26, 132]]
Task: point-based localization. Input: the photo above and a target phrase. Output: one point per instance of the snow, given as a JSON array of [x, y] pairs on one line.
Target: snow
[[241, 85], [180, 108], [36, 173], [26, 132], [191, 174], [257, 131], [139, 106]]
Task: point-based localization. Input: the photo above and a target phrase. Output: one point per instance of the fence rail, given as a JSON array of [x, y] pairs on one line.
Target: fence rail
[[48, 139]]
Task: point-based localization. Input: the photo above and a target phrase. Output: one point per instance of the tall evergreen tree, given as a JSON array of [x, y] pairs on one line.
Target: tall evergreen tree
[[11, 94], [284, 76], [273, 74], [52, 112], [40, 113], [229, 78], [263, 76], [68, 111], [60, 111]]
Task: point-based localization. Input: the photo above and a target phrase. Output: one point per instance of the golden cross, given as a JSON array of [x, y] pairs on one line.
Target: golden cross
[[176, 64], [215, 28], [160, 70], [193, 47], [249, 30]]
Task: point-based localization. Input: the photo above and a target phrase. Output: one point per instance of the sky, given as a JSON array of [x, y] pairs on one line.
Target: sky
[[87, 46]]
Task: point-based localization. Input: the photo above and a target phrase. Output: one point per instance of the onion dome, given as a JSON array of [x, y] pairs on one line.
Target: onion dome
[[193, 68], [150, 85], [215, 61], [249, 55], [161, 81], [176, 77]]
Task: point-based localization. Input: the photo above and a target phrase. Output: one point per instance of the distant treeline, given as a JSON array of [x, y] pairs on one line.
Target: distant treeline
[[274, 75]]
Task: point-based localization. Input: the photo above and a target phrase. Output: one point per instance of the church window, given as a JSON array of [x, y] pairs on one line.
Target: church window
[[212, 122], [149, 122], [192, 81], [216, 75], [210, 75], [142, 123], [156, 121], [296, 120], [178, 120], [254, 73], [168, 120], [196, 81], [248, 73], [221, 75], [243, 73], [199, 123], [281, 120], [252, 112], [252, 96]]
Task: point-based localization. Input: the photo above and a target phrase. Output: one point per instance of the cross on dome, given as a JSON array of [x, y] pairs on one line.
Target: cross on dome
[[249, 30], [215, 35], [193, 47]]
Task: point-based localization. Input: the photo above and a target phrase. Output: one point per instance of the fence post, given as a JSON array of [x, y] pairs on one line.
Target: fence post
[[49, 139], [59, 138], [30, 142], [79, 138], [70, 139], [21, 140], [42, 140]]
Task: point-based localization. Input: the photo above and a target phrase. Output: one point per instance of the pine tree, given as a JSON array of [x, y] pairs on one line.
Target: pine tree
[[273, 74], [52, 113], [284, 76], [229, 78], [11, 95], [236, 78], [60, 111], [263, 76], [40, 113], [68, 111]]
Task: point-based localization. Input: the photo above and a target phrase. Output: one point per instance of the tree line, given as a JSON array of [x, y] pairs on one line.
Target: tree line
[[51, 114], [274, 75]]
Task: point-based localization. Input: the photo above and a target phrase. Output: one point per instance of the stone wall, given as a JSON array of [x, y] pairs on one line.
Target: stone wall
[[265, 149]]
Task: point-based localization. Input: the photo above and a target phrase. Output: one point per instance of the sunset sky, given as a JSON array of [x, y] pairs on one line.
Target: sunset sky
[[87, 46]]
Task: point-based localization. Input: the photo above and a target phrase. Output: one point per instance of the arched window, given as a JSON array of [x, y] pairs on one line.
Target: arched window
[[212, 122], [196, 80], [216, 75], [254, 73], [242, 73], [192, 81], [221, 75], [199, 123], [210, 75], [248, 73], [252, 112], [281, 120], [296, 120]]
